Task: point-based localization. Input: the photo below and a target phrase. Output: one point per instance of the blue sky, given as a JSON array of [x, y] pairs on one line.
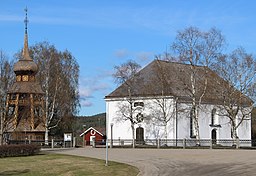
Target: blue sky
[[101, 34]]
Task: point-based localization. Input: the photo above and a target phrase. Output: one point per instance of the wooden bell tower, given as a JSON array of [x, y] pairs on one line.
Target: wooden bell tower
[[25, 115]]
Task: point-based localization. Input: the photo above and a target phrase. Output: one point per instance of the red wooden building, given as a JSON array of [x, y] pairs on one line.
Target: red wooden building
[[90, 134]]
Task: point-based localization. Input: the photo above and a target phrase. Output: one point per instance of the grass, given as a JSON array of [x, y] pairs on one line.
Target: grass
[[63, 165]]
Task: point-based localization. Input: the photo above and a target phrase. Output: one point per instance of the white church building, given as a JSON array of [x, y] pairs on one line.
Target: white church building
[[158, 99]]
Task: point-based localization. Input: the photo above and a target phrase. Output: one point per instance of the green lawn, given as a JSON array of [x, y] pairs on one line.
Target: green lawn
[[65, 165]]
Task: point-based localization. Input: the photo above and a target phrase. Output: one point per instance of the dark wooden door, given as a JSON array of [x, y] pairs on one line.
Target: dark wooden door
[[214, 136]]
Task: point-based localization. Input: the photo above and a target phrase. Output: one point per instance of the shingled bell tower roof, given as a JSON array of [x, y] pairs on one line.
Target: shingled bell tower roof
[[25, 70], [25, 64]]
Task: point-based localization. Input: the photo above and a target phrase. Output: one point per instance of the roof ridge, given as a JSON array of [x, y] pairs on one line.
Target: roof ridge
[[176, 62]]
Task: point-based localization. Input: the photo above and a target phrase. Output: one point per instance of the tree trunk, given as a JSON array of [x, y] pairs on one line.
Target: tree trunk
[[195, 107], [166, 135], [1, 130], [133, 135], [196, 123], [234, 132], [46, 136]]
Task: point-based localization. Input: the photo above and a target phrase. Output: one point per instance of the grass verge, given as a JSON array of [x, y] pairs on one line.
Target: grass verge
[[63, 165]]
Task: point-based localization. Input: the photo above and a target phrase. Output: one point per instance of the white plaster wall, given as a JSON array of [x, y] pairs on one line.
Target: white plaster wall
[[183, 120], [244, 131], [122, 130], [205, 121], [224, 132]]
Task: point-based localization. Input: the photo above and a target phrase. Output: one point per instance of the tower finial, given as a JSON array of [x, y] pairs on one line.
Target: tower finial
[[25, 52], [26, 20]]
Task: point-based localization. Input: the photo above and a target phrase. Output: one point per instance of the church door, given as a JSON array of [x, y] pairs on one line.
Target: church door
[[214, 136], [140, 135]]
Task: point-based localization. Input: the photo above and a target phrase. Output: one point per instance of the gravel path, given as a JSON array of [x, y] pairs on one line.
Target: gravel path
[[178, 162]]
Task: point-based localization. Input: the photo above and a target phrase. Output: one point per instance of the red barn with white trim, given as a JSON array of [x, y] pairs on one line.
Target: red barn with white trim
[[90, 134]]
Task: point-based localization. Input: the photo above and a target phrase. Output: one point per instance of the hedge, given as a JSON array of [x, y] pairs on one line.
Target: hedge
[[18, 150]]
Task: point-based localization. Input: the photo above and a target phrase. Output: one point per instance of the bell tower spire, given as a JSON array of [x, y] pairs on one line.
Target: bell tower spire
[[26, 20], [25, 63], [25, 52]]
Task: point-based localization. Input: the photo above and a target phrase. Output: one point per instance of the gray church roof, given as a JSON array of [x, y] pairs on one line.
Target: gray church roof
[[174, 79]]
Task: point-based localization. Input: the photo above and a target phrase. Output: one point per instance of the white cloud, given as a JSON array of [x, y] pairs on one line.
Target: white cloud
[[141, 57], [144, 56], [100, 16], [165, 17], [10, 18], [121, 53], [100, 87], [89, 87], [85, 103], [85, 92]]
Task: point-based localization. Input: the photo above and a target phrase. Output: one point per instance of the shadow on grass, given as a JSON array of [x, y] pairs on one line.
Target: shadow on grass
[[14, 172]]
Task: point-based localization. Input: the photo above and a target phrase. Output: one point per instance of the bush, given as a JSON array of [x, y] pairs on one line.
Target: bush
[[18, 150]]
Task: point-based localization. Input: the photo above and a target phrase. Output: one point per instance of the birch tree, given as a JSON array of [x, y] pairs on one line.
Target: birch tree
[[162, 112], [197, 48], [239, 72], [126, 110], [58, 75], [163, 106], [6, 77]]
